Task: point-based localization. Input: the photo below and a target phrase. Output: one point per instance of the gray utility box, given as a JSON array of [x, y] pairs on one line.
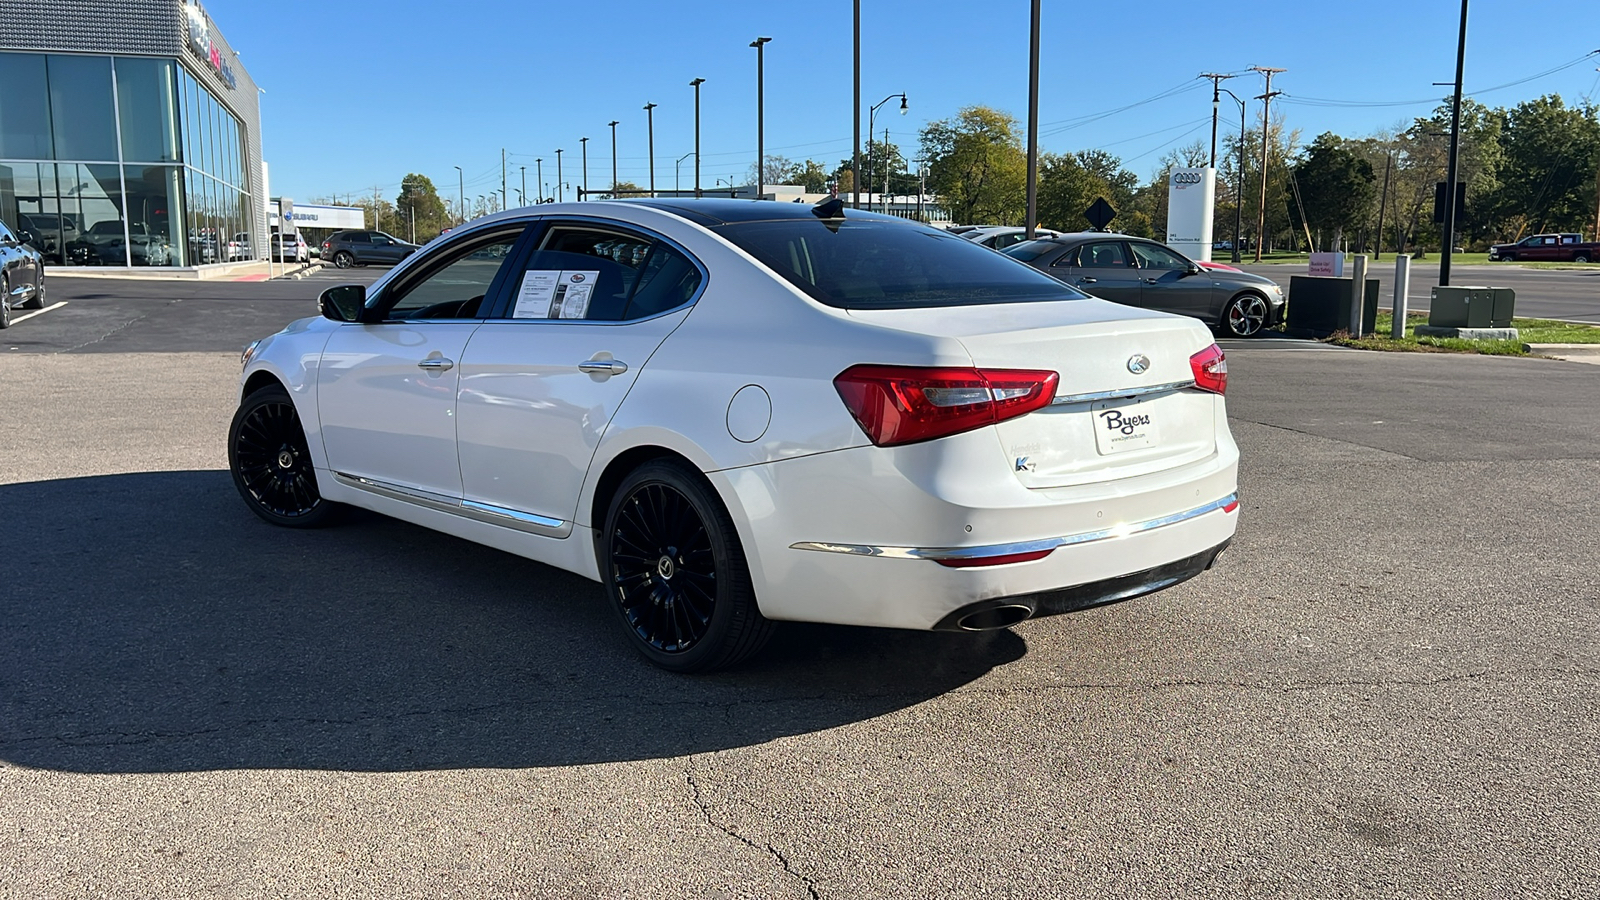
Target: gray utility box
[[1471, 306], [1319, 306]]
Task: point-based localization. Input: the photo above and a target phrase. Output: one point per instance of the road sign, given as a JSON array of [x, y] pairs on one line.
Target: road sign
[[1100, 213]]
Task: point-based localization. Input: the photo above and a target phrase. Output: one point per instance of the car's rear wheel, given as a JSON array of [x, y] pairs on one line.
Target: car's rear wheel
[[5, 302], [1581, 257], [271, 462], [343, 259], [675, 571], [38, 292], [1245, 315]]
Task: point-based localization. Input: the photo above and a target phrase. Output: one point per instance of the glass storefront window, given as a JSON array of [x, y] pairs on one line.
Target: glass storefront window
[[91, 196], [24, 107], [147, 107], [153, 217], [82, 122]]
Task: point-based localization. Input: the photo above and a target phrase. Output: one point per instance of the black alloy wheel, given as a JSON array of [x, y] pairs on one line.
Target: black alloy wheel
[[5, 302], [676, 573], [38, 290], [1245, 315], [271, 462], [343, 259]]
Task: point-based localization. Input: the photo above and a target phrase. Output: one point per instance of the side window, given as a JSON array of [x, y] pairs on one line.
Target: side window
[[357, 237], [602, 274], [5, 233], [1152, 257], [1005, 240], [452, 284], [1108, 255], [1067, 259]]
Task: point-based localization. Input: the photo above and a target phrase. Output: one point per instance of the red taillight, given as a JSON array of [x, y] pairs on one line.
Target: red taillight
[[973, 562], [1210, 370], [905, 404]]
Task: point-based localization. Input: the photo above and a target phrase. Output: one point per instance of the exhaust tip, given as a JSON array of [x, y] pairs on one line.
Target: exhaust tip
[[995, 617]]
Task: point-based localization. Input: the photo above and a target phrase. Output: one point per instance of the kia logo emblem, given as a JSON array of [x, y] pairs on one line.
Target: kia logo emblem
[[1187, 178], [1138, 363]]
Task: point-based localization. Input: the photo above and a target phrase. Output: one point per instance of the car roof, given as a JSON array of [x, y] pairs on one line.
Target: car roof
[[713, 211]]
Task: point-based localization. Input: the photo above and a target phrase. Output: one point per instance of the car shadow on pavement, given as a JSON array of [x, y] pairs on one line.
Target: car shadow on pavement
[[152, 624]]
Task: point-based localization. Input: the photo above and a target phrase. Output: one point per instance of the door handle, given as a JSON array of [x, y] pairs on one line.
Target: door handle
[[437, 364], [1149, 280], [603, 366], [1087, 280]]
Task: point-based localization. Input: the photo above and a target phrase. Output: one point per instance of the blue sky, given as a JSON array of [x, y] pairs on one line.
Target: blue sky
[[360, 94]]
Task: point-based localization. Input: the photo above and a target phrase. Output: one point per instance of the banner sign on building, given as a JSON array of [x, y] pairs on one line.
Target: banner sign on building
[[1191, 204]]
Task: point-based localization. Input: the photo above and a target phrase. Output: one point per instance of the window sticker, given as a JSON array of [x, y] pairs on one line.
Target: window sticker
[[555, 294]]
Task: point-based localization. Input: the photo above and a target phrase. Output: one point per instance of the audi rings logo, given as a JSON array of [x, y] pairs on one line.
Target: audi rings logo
[[1187, 178]]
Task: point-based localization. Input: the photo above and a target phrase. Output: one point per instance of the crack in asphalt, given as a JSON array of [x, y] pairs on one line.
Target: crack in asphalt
[[1335, 440], [123, 327], [774, 852]]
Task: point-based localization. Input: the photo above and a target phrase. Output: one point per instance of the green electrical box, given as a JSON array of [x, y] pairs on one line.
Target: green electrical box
[[1505, 303], [1463, 307]]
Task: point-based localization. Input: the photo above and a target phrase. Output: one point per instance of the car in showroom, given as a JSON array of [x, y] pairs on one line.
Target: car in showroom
[[365, 248], [1140, 272], [21, 273], [735, 412]]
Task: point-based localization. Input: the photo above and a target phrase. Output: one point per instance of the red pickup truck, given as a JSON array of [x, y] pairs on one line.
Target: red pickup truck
[[1547, 248]]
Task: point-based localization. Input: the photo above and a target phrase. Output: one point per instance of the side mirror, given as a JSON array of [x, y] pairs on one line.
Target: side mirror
[[343, 303], [1194, 269], [27, 237]]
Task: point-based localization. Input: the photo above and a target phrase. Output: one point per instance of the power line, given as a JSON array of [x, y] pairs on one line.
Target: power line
[[1324, 101]]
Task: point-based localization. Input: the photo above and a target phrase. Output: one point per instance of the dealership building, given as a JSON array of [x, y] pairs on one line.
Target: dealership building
[[130, 135]]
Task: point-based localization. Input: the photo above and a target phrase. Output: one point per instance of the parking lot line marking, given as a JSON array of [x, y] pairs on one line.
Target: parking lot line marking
[[38, 312]]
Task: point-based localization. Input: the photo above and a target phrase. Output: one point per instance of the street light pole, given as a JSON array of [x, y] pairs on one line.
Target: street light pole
[[677, 186], [650, 127], [585, 194], [538, 178], [1216, 98], [524, 185], [461, 193], [871, 120], [614, 159], [696, 85], [1032, 219], [1238, 191], [855, 120], [1452, 170], [560, 197], [760, 44]]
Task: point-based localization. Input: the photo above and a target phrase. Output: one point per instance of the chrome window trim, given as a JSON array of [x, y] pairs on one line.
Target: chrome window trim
[[1124, 393], [532, 523], [1086, 537]]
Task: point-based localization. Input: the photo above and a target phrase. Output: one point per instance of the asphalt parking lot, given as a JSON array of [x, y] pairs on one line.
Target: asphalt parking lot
[[1387, 687]]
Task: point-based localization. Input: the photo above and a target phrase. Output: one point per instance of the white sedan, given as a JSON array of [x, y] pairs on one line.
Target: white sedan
[[732, 412]]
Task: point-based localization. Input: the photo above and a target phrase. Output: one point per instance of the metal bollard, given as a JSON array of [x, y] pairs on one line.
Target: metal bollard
[[1358, 295], [1402, 295]]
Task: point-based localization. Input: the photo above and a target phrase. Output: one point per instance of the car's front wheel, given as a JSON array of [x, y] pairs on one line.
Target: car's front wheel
[[675, 571], [271, 462], [343, 259], [1245, 315]]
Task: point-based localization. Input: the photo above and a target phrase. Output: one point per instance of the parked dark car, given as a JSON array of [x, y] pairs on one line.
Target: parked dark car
[[1140, 272], [21, 273], [363, 248]]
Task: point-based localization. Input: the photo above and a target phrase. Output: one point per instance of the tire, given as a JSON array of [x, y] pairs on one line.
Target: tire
[[271, 462], [1581, 258], [38, 292], [343, 259], [675, 572], [1508, 257], [1244, 316], [5, 302]]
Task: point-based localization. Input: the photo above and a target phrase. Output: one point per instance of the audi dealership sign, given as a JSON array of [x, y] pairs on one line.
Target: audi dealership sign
[[1191, 203]]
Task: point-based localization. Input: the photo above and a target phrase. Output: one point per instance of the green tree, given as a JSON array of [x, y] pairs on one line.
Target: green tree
[[809, 175], [976, 166], [418, 207], [1066, 189], [778, 170], [1551, 152], [1336, 188], [622, 190]]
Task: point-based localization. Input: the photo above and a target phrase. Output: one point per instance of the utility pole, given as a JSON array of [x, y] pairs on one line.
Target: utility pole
[[1216, 97], [855, 120], [538, 178], [887, 163], [696, 85], [1455, 155], [560, 196], [1266, 130], [584, 194], [502, 178], [377, 223], [614, 160], [760, 44], [1383, 203], [1032, 219], [650, 128], [461, 193], [524, 185]]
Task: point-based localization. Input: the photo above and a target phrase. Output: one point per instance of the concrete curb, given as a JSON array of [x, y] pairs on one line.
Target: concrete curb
[[1584, 353]]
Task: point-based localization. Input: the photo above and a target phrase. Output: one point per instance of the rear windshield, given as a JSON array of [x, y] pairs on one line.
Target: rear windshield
[[1030, 250], [888, 265]]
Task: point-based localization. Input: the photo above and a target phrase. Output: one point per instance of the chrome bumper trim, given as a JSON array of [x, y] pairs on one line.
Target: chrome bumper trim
[[1086, 537], [469, 509], [1064, 399]]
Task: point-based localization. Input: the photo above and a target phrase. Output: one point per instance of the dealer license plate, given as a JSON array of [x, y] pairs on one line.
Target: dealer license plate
[[1121, 425]]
